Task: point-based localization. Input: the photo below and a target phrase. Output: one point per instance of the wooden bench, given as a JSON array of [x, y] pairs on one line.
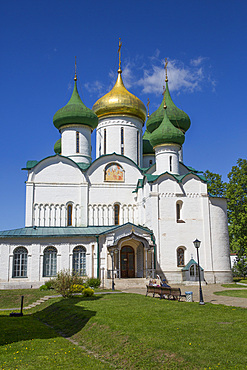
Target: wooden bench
[[165, 292]]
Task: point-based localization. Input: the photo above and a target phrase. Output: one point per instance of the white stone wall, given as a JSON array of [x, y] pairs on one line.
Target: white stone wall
[[52, 185], [68, 143], [113, 125], [167, 158], [35, 248], [200, 219], [220, 239], [148, 160]]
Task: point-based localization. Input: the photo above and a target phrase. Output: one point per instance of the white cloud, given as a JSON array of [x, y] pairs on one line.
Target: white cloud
[[149, 75], [95, 87], [197, 61], [180, 76]]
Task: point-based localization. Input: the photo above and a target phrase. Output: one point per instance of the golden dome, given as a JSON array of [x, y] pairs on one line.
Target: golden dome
[[119, 101]]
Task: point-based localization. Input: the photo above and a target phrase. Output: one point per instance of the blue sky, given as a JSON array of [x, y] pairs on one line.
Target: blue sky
[[204, 41]]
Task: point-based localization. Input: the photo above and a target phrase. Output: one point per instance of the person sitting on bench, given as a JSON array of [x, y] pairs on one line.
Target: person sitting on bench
[[164, 283]]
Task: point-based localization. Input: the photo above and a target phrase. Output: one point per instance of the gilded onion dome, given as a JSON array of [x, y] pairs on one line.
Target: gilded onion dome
[[166, 133], [75, 112], [147, 147], [177, 117], [119, 101]]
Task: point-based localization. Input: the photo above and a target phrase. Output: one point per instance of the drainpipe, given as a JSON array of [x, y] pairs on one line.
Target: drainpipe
[[98, 257]]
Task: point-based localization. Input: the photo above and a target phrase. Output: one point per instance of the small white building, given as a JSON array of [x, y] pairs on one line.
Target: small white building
[[137, 203]]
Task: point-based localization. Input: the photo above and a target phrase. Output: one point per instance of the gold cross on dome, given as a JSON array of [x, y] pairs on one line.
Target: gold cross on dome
[[166, 62], [119, 52], [148, 106], [75, 78]]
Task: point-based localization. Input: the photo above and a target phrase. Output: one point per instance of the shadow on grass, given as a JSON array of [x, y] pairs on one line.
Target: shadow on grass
[[66, 317]]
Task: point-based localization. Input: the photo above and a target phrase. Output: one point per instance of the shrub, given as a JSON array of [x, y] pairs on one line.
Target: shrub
[[93, 282], [64, 282], [49, 284], [88, 292], [77, 288], [43, 287]]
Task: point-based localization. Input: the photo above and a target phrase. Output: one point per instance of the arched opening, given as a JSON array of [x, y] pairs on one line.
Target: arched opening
[[69, 215], [180, 257], [170, 162], [79, 261], [179, 205], [77, 142], [50, 262], [127, 262], [20, 262], [194, 271], [116, 214]]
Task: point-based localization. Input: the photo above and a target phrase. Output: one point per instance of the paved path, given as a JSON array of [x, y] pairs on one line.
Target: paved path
[[208, 294]]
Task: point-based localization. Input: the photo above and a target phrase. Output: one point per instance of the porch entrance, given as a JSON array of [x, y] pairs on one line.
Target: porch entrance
[[127, 262]]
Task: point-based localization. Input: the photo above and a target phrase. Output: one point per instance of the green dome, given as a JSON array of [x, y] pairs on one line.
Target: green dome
[[57, 147], [177, 117], [75, 112], [147, 147], [166, 133]]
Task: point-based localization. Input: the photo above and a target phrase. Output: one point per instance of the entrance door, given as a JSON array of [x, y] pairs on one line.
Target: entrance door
[[127, 262]]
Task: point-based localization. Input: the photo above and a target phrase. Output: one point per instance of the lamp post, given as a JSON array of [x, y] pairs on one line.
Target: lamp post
[[112, 269], [197, 244]]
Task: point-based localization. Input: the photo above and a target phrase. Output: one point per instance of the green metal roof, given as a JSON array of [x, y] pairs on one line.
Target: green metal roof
[[42, 232], [75, 112], [191, 262], [166, 133], [57, 146], [140, 184], [32, 164], [178, 178], [177, 117]]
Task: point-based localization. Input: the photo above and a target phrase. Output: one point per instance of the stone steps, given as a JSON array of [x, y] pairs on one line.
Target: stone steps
[[121, 284]]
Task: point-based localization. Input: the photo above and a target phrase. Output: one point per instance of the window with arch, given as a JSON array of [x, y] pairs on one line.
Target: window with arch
[[50, 262], [170, 161], [104, 141], [180, 257], [69, 215], [122, 140], [20, 262], [179, 205], [77, 142], [79, 261], [194, 270], [116, 214], [150, 162], [137, 146]]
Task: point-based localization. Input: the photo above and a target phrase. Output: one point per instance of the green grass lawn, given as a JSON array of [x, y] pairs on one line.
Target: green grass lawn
[[241, 293], [12, 298], [127, 331], [234, 286]]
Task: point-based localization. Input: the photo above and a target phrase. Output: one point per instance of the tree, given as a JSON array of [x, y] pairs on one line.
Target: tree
[[237, 207], [216, 186]]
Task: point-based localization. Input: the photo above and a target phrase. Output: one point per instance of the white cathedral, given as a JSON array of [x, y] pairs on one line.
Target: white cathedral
[[135, 210]]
